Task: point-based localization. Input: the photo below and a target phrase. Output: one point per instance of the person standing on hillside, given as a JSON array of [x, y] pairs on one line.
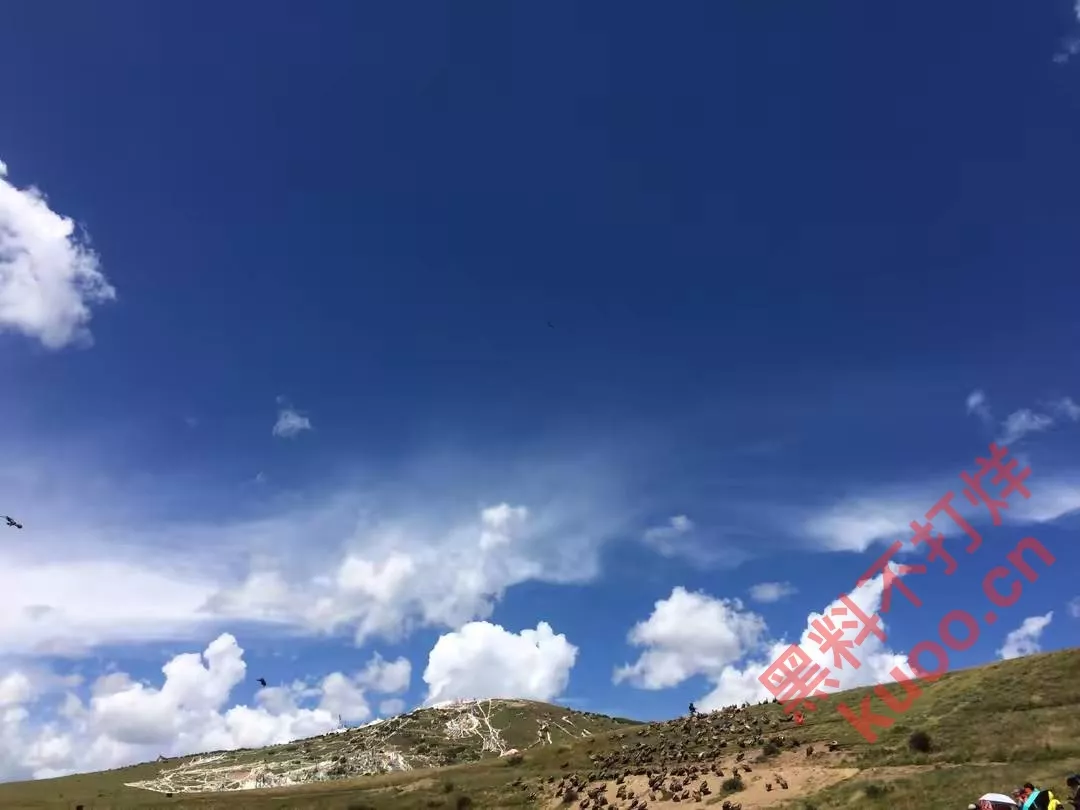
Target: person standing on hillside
[[1073, 784]]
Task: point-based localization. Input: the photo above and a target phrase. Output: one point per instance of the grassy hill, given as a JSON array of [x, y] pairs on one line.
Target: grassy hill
[[985, 729]]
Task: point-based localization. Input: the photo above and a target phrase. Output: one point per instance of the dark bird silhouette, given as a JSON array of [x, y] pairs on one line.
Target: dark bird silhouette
[[262, 681], [12, 522]]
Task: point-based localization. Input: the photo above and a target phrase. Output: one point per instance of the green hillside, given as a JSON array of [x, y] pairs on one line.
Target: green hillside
[[979, 730]]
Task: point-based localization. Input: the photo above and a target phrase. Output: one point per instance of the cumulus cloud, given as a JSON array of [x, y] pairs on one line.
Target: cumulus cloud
[[123, 721], [49, 276], [15, 688], [386, 677], [688, 634], [733, 650], [1024, 640], [771, 591], [404, 576], [290, 423], [484, 660]]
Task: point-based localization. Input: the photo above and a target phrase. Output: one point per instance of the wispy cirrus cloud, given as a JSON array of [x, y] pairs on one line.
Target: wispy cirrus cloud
[[1025, 421], [884, 514]]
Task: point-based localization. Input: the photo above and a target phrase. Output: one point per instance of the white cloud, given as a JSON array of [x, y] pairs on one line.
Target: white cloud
[[771, 591], [736, 684], [885, 513], [15, 688], [400, 577], [68, 606], [1050, 499], [687, 634], [976, 404], [49, 277], [124, 721], [1074, 607], [386, 677], [1070, 46], [485, 660], [1025, 421], [1024, 640], [734, 651], [662, 537], [679, 537], [342, 697], [857, 523], [290, 423], [421, 548], [499, 524], [1020, 423], [1067, 408]]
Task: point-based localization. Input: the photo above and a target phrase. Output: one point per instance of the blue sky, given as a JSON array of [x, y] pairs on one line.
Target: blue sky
[[557, 311]]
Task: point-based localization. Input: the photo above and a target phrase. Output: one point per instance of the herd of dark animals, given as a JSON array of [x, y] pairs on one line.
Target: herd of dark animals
[[678, 758], [686, 753]]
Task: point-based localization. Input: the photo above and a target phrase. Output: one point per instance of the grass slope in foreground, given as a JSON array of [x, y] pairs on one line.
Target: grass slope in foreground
[[989, 729]]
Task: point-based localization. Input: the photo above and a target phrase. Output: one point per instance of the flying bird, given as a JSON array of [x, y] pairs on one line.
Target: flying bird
[[12, 522], [262, 681], [550, 325]]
